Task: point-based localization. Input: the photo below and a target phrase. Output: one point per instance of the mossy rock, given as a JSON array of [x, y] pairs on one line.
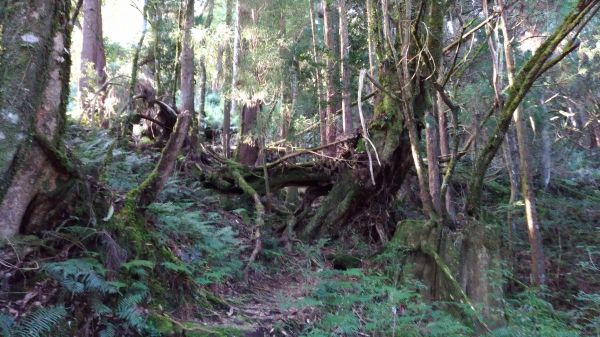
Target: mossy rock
[[413, 235]]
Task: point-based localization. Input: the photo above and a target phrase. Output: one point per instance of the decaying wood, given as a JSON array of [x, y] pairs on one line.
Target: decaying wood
[[156, 181]]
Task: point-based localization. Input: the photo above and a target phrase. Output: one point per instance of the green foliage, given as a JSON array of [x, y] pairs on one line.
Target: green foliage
[[6, 324], [39, 323], [208, 251], [588, 313], [80, 276], [529, 315], [354, 303], [85, 277]]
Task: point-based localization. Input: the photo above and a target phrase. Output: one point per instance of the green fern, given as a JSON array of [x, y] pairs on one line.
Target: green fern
[[127, 310], [40, 322], [80, 276], [6, 323], [108, 331]]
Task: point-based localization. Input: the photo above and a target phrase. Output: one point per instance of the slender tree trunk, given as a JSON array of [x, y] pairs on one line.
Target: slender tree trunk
[[236, 56], [187, 60], [538, 276], [317, 61], [202, 92], [216, 84], [445, 152], [156, 36], [546, 147], [93, 63], [202, 73], [176, 75], [35, 64], [226, 135], [329, 38], [371, 38], [344, 69], [436, 37], [136, 56]]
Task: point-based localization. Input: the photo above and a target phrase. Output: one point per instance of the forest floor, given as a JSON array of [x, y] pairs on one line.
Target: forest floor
[[264, 305]]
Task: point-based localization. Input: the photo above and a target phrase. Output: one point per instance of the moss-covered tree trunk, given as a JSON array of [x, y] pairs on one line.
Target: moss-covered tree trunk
[[34, 76]]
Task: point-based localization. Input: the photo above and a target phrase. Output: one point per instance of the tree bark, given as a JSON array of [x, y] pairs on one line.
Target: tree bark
[[237, 37], [435, 41], [445, 152], [156, 181], [317, 61], [226, 134], [187, 60], [371, 37], [538, 276], [546, 148], [249, 139], [93, 63], [331, 101], [35, 67], [344, 69]]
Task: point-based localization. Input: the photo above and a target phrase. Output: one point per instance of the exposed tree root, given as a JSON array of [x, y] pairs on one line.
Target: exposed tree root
[[260, 219]]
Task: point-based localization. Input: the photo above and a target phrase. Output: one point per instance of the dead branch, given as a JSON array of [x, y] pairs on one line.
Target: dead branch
[[155, 121], [308, 151], [315, 125], [156, 181]]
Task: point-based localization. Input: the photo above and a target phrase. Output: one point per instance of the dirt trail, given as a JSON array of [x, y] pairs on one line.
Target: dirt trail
[[264, 307]]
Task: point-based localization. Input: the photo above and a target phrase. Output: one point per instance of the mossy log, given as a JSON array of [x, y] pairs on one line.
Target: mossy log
[[129, 223]]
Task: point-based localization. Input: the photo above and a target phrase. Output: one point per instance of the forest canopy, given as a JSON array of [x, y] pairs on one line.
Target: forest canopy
[[299, 168]]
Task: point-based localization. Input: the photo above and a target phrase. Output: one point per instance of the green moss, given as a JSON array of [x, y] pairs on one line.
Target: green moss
[[217, 332], [162, 324], [413, 235]]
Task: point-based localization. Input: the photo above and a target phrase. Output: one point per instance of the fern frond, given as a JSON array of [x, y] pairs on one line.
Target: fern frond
[[108, 331], [80, 275], [41, 321], [127, 310], [6, 323]]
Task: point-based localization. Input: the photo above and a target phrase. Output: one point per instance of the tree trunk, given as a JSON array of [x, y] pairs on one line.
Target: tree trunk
[[546, 147], [436, 27], [93, 63], [201, 93], [136, 57], [329, 38], [249, 139], [371, 37], [156, 181], [236, 57], [445, 152], [317, 61], [187, 60], [344, 69], [226, 134], [538, 276], [35, 63]]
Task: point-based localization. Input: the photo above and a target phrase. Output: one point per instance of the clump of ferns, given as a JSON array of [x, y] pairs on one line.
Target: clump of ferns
[[99, 306]]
